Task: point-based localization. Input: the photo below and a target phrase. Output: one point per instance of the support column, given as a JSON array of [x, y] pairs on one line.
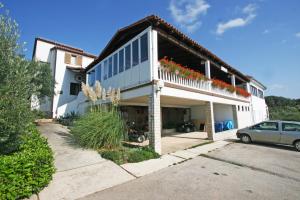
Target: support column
[[235, 116], [155, 120], [210, 121], [248, 87], [207, 72], [233, 80]]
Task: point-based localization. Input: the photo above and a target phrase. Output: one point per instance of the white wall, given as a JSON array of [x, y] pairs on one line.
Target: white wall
[[63, 78], [223, 112], [42, 51], [131, 77], [258, 106]]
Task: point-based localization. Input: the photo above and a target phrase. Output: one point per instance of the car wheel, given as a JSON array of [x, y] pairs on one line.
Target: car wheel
[[297, 145], [141, 139], [246, 139], [187, 129]]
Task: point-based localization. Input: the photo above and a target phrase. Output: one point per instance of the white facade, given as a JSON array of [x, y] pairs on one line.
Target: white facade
[[134, 68], [64, 74]]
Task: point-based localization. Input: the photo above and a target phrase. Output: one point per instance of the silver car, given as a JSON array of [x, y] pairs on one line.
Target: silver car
[[277, 132]]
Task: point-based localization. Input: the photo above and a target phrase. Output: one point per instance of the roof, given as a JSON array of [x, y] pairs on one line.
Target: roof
[[63, 47], [257, 82], [160, 25]]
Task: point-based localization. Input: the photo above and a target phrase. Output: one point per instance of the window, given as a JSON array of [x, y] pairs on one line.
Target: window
[[127, 57], [91, 78], [135, 52], [144, 47], [260, 94], [121, 60], [253, 90], [73, 59], [115, 64], [110, 67], [268, 126], [105, 69], [98, 73], [242, 108], [239, 108], [290, 127], [75, 88]]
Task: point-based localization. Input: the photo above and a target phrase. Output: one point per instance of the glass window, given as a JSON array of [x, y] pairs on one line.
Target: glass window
[[144, 47], [127, 57], [91, 78], [105, 69], [253, 90], [260, 94], [73, 59], [242, 108], [238, 108], [268, 126], [98, 73], [115, 64], [290, 127], [121, 60], [110, 67], [75, 88], [135, 52]]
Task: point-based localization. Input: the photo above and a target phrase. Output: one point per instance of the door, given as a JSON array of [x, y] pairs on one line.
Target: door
[[290, 132], [266, 132]]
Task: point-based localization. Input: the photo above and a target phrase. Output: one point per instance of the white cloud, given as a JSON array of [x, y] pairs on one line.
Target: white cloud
[[266, 31], [249, 10], [297, 35], [187, 12]]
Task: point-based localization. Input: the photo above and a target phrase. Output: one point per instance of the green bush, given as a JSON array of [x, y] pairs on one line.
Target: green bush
[[68, 119], [28, 170], [129, 155], [99, 129]]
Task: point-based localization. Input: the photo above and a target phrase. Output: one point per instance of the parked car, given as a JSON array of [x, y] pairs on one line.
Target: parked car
[[186, 127], [277, 132]]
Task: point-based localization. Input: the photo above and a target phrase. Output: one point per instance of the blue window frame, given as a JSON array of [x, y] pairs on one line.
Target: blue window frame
[[98, 73], [110, 67], [115, 64], [144, 47], [127, 57], [135, 52], [121, 60], [91, 81], [105, 69]]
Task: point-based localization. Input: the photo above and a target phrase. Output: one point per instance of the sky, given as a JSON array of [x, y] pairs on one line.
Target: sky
[[261, 38]]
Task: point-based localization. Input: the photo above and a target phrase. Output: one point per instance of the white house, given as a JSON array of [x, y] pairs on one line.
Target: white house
[[154, 95], [67, 65]]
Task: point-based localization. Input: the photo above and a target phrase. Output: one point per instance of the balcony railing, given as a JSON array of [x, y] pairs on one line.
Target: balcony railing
[[201, 85]]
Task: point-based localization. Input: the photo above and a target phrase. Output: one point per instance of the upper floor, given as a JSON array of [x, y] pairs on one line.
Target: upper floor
[[152, 50]]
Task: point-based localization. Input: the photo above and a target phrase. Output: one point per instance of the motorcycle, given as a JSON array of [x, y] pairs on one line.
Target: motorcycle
[[134, 134], [186, 127]]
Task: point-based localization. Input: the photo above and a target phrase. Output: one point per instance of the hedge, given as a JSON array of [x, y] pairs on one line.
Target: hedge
[[28, 170]]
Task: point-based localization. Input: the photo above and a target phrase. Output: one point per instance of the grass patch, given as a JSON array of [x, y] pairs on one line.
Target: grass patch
[[129, 155]]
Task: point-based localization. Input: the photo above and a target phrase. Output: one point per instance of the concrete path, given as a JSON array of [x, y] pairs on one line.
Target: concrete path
[[150, 166], [209, 178], [79, 172]]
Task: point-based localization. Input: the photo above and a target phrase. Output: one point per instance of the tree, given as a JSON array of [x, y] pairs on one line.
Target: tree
[[19, 80]]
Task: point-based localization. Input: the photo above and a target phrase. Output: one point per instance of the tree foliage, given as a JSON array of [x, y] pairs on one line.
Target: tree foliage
[[281, 108], [19, 80]]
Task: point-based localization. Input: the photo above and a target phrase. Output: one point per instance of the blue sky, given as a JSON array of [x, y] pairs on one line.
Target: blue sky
[[259, 37]]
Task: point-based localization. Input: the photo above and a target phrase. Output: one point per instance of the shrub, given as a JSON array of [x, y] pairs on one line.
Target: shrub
[[68, 119], [28, 170], [99, 129], [129, 155]]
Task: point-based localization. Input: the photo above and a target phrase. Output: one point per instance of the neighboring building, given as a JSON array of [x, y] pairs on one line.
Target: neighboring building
[[153, 96], [67, 65]]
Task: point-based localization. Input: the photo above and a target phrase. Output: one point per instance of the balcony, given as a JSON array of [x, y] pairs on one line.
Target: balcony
[[202, 86]]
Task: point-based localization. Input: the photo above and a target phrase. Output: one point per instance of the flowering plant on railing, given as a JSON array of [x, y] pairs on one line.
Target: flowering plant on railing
[[180, 70], [242, 92], [230, 88]]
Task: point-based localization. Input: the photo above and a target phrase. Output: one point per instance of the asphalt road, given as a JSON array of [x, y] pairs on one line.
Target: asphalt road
[[237, 171]]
